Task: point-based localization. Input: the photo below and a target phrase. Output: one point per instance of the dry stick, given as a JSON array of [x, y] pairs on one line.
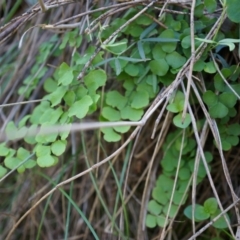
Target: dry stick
[[82, 73], [23, 102], [98, 10], [44, 8], [101, 17], [189, 77], [10, 28]]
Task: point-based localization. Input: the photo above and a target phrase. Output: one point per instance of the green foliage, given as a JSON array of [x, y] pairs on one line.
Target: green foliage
[[233, 10], [176, 106], [139, 61], [208, 210], [162, 191]]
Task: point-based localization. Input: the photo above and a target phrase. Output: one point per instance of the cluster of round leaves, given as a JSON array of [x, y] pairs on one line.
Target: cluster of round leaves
[[65, 100], [144, 57], [159, 204], [221, 104], [209, 210], [176, 106]]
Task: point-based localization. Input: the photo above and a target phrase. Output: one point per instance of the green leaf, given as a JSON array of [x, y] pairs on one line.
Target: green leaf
[[115, 99], [58, 147], [221, 222], [154, 207], [199, 215], [169, 162], [162, 221], [218, 110], [65, 74], [80, 108], [50, 85], [228, 99], [177, 120], [199, 66], [144, 20], [219, 83], [184, 173], [111, 114], [233, 129], [56, 96], [210, 205], [159, 67], [210, 5], [22, 153], [168, 47], [165, 183], [21, 132], [132, 69], [23, 121], [13, 162], [118, 66], [233, 140], [116, 48], [81, 92], [210, 67], [30, 163], [157, 52], [186, 42], [110, 135], [3, 150], [173, 210], [69, 97], [65, 134], [178, 197], [46, 161], [42, 150], [229, 44], [96, 77], [3, 171], [131, 113], [206, 40], [11, 131], [159, 195], [121, 129], [151, 221], [175, 60], [31, 139], [178, 103], [134, 30], [55, 115], [140, 99], [233, 10], [176, 107], [210, 98]]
